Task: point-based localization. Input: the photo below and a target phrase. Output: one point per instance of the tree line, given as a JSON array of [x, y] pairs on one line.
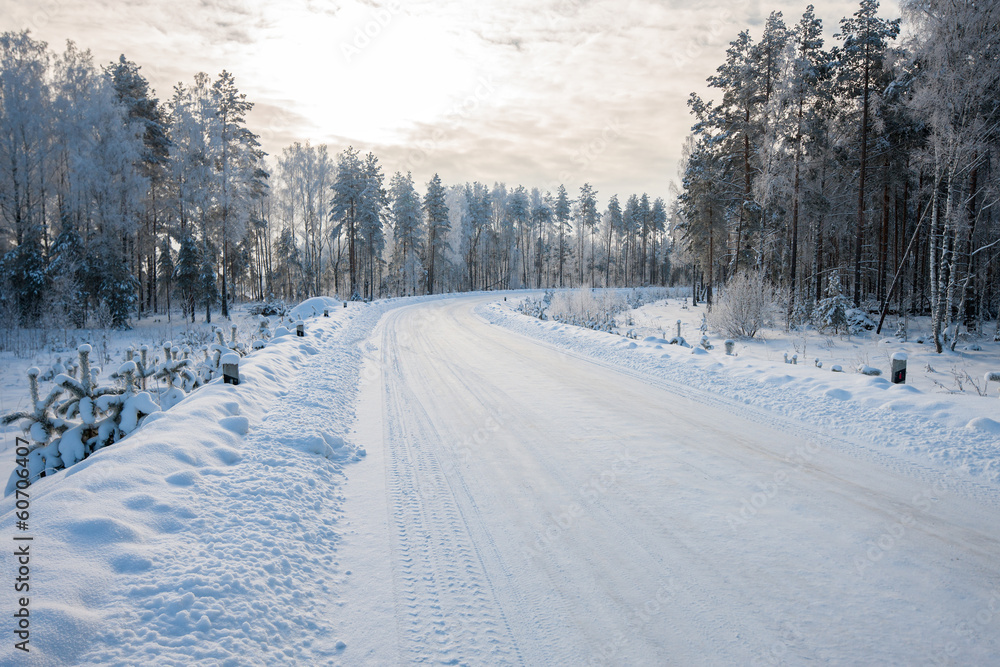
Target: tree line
[[115, 205], [870, 164]]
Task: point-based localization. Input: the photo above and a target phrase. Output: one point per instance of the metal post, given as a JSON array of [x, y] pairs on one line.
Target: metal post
[[899, 368]]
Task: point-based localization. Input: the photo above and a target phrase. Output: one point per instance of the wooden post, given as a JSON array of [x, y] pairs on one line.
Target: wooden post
[[300, 328], [326, 312]]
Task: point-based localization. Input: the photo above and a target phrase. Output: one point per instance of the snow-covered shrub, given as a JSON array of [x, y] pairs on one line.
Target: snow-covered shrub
[[593, 309], [747, 303], [858, 321], [831, 313], [269, 308], [535, 307], [177, 374], [864, 369], [78, 416], [262, 335], [40, 426]]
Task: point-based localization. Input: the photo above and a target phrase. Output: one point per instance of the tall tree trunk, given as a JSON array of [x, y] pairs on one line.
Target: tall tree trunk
[[859, 235]]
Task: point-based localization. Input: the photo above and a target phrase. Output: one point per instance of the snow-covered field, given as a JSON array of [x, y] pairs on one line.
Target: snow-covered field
[[446, 480]]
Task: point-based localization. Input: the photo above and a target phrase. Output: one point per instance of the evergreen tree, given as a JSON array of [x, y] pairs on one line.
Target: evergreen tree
[[238, 168], [371, 208], [862, 72], [187, 273], [23, 268], [613, 219], [166, 268], [208, 287], [562, 227], [407, 219], [588, 222], [348, 190], [67, 264], [438, 225]]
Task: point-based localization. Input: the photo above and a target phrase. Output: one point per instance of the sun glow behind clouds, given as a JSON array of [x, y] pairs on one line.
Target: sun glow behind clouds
[[369, 73], [575, 90]]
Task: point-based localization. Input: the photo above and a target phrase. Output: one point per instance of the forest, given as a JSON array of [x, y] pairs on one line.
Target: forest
[[870, 164], [866, 165]]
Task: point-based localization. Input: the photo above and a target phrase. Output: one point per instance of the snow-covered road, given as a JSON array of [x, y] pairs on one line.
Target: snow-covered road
[[520, 505]]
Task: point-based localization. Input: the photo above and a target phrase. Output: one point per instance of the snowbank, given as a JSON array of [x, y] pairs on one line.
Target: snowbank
[[211, 531], [927, 427]]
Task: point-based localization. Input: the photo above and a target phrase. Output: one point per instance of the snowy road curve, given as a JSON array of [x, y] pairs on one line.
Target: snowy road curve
[[522, 506]]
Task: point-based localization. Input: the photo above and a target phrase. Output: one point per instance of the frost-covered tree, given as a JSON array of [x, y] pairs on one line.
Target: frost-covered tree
[[370, 215], [238, 165], [348, 192], [957, 95], [187, 272], [438, 224], [407, 218], [862, 72], [562, 214], [587, 222]]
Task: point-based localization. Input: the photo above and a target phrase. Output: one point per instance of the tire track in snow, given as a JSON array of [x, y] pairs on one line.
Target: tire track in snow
[[451, 613]]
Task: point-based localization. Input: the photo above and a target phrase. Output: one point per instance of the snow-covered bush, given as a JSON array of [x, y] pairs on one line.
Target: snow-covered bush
[[269, 308], [535, 307], [831, 313], [747, 303], [858, 321], [178, 376], [41, 426], [590, 308], [78, 416]]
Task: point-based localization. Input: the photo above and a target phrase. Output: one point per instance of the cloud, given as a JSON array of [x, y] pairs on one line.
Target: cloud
[[522, 91]]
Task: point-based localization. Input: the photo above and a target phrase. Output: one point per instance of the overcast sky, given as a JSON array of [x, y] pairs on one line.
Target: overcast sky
[[532, 92]]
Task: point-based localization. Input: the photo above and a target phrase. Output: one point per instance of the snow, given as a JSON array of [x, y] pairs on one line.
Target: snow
[[446, 480]]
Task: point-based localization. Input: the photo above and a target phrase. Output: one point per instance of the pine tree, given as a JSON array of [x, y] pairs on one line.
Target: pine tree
[[407, 218], [518, 209], [562, 227], [541, 217], [237, 162], [588, 222], [862, 68], [613, 218], [208, 288], [165, 267], [370, 211], [24, 269], [437, 227], [348, 189], [187, 273]]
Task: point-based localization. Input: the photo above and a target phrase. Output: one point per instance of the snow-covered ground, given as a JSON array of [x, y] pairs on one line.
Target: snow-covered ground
[[945, 411], [445, 480]]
